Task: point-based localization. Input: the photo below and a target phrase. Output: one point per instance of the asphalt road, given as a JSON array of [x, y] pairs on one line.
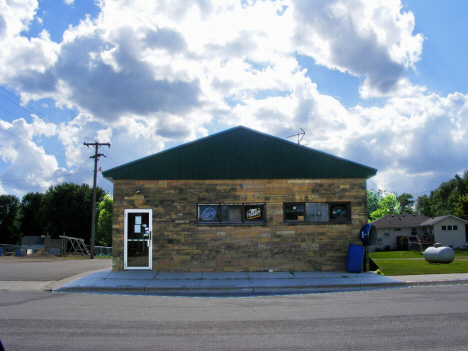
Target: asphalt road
[[33, 269], [426, 318]]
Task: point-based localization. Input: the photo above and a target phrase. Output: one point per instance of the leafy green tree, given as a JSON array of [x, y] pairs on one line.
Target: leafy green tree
[[372, 202], [30, 220], [9, 221], [66, 209], [461, 207], [442, 201], [406, 203], [104, 222], [388, 204], [423, 205]]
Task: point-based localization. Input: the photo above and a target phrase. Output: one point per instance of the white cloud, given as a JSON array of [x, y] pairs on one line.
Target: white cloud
[[147, 74], [371, 39]]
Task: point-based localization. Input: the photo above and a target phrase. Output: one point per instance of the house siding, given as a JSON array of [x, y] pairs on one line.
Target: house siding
[[454, 238], [181, 244], [390, 241]]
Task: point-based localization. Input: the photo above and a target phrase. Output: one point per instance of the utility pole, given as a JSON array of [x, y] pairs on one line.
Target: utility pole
[[93, 220]]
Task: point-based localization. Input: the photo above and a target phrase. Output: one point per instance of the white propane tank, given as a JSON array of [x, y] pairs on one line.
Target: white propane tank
[[439, 254]]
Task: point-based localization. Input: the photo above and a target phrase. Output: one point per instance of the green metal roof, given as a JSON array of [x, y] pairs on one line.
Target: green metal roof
[[239, 153]]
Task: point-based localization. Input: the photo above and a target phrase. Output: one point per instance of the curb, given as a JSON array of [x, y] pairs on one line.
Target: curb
[[437, 282], [238, 291]]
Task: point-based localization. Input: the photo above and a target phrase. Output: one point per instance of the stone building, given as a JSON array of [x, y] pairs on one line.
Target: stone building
[[238, 200]]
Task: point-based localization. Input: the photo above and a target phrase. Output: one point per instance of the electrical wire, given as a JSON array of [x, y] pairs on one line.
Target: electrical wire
[[26, 141], [54, 177], [52, 121]]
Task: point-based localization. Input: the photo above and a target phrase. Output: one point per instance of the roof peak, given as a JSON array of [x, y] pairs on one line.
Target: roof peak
[[240, 153]]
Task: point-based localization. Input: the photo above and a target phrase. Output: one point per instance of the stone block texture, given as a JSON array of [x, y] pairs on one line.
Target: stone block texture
[[181, 244]]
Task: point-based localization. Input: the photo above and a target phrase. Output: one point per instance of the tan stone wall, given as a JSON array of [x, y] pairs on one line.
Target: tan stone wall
[[181, 244]]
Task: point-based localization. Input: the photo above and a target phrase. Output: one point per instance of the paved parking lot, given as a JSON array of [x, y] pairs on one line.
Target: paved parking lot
[[36, 274]]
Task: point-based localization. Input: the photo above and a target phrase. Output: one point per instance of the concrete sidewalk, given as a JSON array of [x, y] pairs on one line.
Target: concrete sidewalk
[[244, 283]]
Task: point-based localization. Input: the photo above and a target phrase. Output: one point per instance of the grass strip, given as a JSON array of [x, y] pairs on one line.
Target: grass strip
[[409, 254], [415, 267]]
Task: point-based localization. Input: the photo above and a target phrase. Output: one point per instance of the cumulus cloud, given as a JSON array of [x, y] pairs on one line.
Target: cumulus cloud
[[145, 75], [371, 39]]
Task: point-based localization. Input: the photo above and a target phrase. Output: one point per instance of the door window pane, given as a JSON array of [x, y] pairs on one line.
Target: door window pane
[[137, 240]]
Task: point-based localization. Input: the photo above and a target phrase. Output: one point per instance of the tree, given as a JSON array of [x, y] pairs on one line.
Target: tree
[[442, 200], [30, 220], [461, 207], [406, 203], [104, 222], [423, 206], [9, 224], [372, 202], [388, 204], [66, 208]]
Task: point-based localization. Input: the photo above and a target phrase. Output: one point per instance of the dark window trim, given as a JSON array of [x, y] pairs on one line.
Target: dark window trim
[[331, 220], [220, 223], [292, 221]]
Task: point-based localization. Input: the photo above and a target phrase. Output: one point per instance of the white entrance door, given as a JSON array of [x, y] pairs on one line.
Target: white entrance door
[[138, 232]]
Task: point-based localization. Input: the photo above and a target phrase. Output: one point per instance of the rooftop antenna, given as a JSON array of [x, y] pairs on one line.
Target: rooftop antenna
[[301, 135]]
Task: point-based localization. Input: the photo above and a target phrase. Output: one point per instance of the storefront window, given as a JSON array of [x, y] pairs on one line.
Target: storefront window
[[294, 212], [208, 213], [231, 213], [254, 213], [314, 212]]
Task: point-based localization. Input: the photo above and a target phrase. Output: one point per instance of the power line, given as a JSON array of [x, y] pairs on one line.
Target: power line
[[40, 113], [26, 105], [29, 112], [26, 141], [54, 177], [423, 192]]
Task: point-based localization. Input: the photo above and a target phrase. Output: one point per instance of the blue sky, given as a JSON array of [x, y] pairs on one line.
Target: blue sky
[[382, 83]]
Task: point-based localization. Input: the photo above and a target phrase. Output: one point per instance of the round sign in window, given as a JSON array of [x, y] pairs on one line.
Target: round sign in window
[[209, 214], [339, 212]]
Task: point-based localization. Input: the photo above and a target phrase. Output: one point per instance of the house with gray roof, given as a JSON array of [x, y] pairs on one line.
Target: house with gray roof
[[447, 230], [238, 200]]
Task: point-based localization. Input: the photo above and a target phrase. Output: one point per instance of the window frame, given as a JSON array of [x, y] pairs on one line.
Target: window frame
[[219, 214], [330, 220]]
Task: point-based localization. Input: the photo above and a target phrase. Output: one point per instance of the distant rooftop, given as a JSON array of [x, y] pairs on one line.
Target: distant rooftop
[[409, 220]]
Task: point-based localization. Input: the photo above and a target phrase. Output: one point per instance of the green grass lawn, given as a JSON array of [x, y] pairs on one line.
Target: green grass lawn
[[404, 263], [409, 254]]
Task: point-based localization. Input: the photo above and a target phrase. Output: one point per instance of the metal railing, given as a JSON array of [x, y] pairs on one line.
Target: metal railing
[[10, 250], [102, 251]]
